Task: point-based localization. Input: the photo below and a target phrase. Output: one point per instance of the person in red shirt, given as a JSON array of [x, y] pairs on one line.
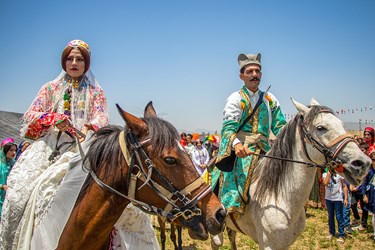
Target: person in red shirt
[[183, 140], [368, 137]]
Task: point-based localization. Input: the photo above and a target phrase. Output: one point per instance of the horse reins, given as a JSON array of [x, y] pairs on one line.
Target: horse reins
[[332, 159], [189, 212]]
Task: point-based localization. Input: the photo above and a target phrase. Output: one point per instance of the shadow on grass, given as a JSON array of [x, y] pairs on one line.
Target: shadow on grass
[[191, 247]]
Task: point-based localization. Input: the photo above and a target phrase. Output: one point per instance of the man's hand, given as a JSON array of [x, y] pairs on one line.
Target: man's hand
[[241, 150]]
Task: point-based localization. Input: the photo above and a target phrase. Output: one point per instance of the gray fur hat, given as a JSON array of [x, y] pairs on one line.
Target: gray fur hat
[[244, 60]]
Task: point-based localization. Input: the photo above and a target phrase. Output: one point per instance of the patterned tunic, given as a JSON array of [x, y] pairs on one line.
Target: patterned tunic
[[268, 118]]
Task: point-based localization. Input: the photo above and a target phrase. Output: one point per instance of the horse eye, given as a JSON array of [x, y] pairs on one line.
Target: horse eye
[[320, 128], [170, 160]]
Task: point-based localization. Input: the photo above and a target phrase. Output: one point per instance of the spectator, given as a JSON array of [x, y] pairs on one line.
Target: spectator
[[357, 194], [189, 144], [200, 157], [363, 146], [359, 140], [183, 140], [316, 197], [7, 140], [368, 137], [369, 187], [7, 154], [346, 212], [335, 191], [21, 148]]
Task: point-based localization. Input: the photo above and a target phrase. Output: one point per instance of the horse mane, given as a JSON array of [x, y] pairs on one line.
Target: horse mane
[[272, 174], [105, 152]]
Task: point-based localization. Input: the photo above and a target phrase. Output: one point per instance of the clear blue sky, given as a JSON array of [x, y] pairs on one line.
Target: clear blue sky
[[182, 55]]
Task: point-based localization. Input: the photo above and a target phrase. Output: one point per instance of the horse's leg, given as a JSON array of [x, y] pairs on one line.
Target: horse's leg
[[162, 232], [232, 238], [179, 234], [173, 235]]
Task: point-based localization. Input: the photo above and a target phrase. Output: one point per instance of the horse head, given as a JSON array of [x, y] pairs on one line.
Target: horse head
[[327, 143], [168, 183]]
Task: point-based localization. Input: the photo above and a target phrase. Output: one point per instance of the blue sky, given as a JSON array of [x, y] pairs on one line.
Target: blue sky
[[182, 55]]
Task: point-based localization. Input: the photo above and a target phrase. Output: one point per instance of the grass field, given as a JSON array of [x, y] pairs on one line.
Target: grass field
[[313, 237]]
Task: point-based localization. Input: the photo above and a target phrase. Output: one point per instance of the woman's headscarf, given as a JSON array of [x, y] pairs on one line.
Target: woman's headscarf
[[3, 156], [80, 96], [7, 140], [19, 149]]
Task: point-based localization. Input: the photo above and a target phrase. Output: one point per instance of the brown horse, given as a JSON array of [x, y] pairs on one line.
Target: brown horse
[[168, 183]]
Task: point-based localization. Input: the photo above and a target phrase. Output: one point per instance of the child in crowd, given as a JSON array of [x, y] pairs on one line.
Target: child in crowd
[[336, 189]]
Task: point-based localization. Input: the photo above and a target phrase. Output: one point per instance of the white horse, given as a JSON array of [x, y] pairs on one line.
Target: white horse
[[275, 215]]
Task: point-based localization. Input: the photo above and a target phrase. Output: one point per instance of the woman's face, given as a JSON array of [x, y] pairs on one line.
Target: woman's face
[[75, 63], [12, 152]]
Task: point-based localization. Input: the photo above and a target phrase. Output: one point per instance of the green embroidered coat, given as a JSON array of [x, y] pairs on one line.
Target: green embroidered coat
[[267, 118]]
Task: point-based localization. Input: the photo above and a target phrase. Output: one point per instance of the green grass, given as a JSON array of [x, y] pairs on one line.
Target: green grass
[[313, 237]]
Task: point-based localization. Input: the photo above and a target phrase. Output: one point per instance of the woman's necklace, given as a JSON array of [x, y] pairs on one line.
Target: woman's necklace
[[68, 94]]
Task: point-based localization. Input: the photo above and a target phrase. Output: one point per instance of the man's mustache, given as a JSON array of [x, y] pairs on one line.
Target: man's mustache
[[255, 79]]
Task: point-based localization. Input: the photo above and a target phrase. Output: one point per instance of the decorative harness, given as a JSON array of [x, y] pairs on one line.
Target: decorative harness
[[188, 210], [330, 154]]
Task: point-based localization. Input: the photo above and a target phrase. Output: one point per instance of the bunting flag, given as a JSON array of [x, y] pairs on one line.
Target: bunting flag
[[211, 138], [346, 111]]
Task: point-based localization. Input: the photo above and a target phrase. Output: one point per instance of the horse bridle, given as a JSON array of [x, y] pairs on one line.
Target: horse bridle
[[331, 150], [189, 212], [331, 156]]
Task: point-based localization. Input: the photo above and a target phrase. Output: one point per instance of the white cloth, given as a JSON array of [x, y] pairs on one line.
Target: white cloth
[[134, 231], [200, 157], [334, 191]]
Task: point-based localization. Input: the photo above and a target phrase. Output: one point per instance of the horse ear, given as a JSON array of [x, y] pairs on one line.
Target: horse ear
[[302, 109], [313, 101], [135, 124], [149, 110]]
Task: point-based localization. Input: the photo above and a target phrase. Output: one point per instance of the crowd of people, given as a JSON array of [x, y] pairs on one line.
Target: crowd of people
[[349, 205], [202, 152]]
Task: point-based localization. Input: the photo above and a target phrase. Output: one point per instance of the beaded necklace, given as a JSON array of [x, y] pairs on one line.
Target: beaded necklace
[[68, 95]]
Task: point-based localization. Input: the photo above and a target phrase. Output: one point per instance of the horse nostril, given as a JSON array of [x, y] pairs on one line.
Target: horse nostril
[[357, 163], [220, 215]]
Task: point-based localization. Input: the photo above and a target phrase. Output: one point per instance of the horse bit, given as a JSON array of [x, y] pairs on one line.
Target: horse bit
[[189, 212]]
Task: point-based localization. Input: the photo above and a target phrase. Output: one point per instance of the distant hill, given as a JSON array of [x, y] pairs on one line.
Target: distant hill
[[10, 126]]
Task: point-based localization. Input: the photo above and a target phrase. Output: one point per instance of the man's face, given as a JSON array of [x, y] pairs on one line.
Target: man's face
[[251, 77]]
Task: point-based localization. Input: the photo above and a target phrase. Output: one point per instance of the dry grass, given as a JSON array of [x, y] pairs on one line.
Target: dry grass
[[313, 237]]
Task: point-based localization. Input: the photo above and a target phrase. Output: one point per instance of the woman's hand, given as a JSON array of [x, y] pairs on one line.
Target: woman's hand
[[63, 126]]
